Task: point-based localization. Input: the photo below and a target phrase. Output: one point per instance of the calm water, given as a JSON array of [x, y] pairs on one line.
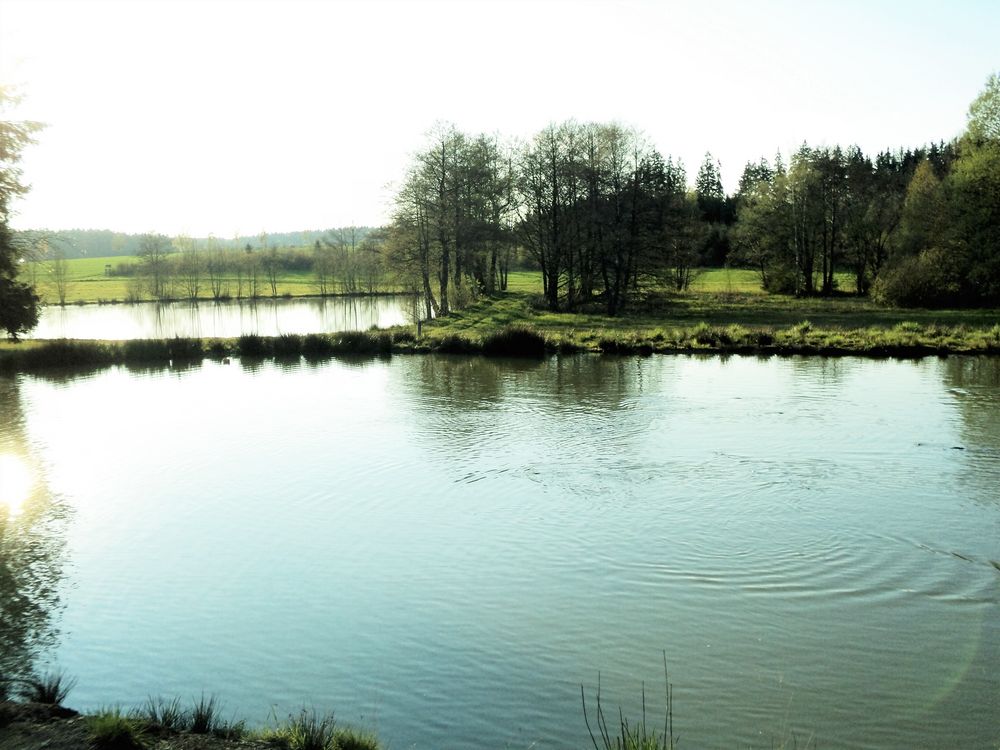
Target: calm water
[[265, 317], [446, 549]]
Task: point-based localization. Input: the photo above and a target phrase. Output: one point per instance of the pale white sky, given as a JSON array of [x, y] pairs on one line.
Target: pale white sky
[[224, 116]]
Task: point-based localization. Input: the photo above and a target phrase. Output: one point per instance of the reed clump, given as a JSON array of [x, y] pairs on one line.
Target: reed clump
[[51, 688], [309, 731], [363, 342], [113, 729], [625, 735], [516, 340]]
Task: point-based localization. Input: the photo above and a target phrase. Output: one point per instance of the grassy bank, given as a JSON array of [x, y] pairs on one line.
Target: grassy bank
[[905, 340], [738, 322]]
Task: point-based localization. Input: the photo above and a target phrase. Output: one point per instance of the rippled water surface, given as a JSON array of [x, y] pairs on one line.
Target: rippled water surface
[[445, 549], [265, 317]]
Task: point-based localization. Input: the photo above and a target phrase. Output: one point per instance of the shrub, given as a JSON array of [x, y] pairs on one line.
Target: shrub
[[463, 295], [113, 730], [287, 345], [252, 345], [404, 335], [183, 348], [218, 349], [307, 731], [66, 353], [381, 341], [230, 730], [364, 342], [454, 343], [930, 279], [760, 338], [514, 341], [167, 714], [51, 688], [311, 733], [802, 329], [204, 715], [780, 280], [347, 738], [317, 344], [146, 350], [609, 345]]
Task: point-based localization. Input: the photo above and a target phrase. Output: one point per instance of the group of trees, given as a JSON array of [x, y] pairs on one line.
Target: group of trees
[[595, 207], [920, 227], [453, 220], [601, 212], [830, 209]]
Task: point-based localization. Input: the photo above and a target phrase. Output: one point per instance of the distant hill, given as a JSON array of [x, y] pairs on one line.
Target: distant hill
[[101, 243]]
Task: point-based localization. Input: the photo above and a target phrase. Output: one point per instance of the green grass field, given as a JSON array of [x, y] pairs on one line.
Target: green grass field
[[715, 280], [88, 282]]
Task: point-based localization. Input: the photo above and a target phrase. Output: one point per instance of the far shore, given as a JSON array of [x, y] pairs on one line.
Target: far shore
[[518, 324], [901, 342]]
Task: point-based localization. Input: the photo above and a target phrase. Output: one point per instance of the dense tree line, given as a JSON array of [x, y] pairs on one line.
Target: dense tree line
[[920, 227], [103, 243], [830, 209]]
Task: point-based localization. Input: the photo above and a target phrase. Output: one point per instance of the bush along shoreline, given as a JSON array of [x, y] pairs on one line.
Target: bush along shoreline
[[905, 340]]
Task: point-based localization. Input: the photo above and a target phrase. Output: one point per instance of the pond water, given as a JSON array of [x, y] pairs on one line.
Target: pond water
[[264, 317], [445, 549]]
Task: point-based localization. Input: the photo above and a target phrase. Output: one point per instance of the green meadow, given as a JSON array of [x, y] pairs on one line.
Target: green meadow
[[88, 281]]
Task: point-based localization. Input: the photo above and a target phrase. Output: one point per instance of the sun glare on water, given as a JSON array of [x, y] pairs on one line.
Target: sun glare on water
[[15, 484]]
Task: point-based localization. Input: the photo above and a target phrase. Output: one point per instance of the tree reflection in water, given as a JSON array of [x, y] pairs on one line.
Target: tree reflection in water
[[32, 549]]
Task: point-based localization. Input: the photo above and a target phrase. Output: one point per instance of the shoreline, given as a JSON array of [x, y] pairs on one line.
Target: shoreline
[[165, 725], [513, 325], [904, 341]]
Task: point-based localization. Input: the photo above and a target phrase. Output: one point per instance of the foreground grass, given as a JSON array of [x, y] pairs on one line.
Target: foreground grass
[[117, 729]]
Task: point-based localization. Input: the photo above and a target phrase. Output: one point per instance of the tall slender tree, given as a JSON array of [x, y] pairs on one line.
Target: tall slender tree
[[18, 300]]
